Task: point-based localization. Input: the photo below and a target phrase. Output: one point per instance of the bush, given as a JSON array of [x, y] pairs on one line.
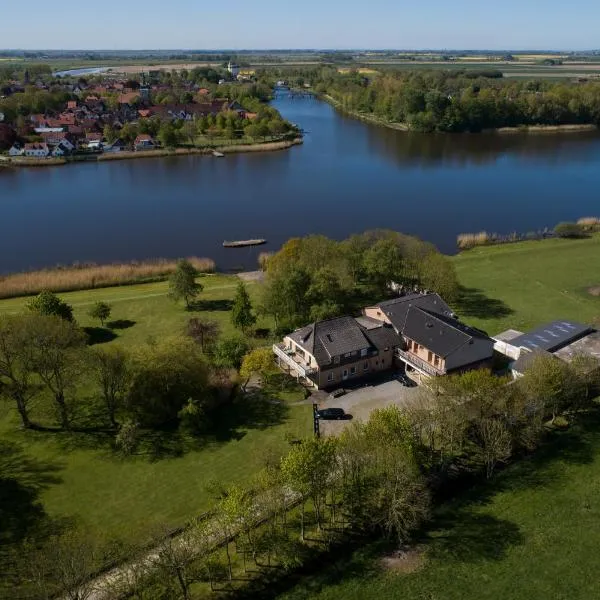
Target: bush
[[569, 230]]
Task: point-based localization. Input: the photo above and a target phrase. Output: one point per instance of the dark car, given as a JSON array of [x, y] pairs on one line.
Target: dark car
[[406, 381], [331, 414], [337, 393]]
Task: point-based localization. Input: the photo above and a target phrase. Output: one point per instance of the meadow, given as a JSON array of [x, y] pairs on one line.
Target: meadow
[[78, 475]]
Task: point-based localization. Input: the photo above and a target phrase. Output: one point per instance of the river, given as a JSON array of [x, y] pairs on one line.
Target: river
[[347, 177]]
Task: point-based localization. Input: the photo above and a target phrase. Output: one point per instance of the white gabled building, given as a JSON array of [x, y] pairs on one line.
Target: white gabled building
[[16, 150], [37, 150]]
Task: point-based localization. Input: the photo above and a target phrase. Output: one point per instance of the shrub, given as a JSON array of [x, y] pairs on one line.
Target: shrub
[[569, 230], [589, 223]]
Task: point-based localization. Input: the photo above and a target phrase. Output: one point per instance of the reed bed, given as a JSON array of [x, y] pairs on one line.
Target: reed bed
[[263, 260], [589, 223], [470, 240], [90, 276]]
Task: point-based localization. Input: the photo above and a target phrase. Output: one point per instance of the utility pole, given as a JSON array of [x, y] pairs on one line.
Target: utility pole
[[316, 427]]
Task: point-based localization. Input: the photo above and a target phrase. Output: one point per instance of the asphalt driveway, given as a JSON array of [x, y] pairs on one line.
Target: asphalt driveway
[[360, 402]]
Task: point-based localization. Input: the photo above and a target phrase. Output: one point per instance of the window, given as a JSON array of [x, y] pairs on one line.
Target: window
[[366, 365], [429, 356], [348, 354], [352, 370], [329, 376], [364, 351], [415, 347], [378, 313], [436, 361], [336, 360]]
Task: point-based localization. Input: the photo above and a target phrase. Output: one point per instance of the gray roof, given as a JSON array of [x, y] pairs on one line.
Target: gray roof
[[508, 335], [343, 335], [552, 336], [397, 309], [429, 321], [458, 344]]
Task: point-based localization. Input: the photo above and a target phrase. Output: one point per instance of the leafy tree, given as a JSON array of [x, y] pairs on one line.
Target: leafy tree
[[230, 352], [100, 311], [203, 332], [242, 316], [126, 439], [16, 372], [495, 442], [167, 135], [569, 230], [182, 283], [111, 371], [49, 304], [383, 263], [109, 133], [438, 275], [54, 351], [260, 362], [166, 377], [307, 469]]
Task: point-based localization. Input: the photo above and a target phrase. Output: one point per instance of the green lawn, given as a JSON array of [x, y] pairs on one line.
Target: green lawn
[[78, 476], [530, 534], [523, 285]]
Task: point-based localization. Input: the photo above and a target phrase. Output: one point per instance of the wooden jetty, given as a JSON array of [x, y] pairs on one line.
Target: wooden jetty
[[243, 243], [218, 154]]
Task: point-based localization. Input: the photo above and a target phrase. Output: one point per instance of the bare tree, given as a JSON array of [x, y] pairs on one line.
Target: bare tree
[[202, 331], [495, 443]]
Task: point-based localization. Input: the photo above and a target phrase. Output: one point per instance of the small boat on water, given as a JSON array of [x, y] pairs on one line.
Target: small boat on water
[[243, 243], [218, 154]]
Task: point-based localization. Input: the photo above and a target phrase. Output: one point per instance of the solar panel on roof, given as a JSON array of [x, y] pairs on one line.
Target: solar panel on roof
[[552, 336]]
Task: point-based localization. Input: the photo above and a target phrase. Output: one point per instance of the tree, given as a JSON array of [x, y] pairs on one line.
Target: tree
[[182, 282], [109, 133], [167, 135], [49, 304], [63, 568], [230, 352], [203, 332], [15, 364], [494, 441], [54, 354], [112, 373], [260, 362], [307, 469], [437, 274], [569, 230], [174, 558], [100, 311], [383, 263], [242, 316]]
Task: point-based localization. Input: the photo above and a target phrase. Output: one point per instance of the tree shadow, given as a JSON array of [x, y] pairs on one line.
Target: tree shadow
[[472, 302], [22, 480], [210, 305], [120, 324], [99, 335], [258, 409]]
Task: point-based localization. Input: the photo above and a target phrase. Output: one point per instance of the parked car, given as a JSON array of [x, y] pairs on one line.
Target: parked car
[[331, 414], [406, 381], [337, 393]]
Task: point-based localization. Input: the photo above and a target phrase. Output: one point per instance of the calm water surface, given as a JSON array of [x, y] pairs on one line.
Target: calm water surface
[[347, 177]]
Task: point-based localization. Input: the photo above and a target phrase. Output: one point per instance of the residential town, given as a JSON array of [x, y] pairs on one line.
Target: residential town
[[109, 114]]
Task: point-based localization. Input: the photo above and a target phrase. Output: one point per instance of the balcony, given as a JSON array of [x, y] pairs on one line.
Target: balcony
[[293, 361], [418, 363]]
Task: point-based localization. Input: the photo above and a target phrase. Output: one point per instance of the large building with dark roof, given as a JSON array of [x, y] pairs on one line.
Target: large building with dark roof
[[417, 331], [434, 341]]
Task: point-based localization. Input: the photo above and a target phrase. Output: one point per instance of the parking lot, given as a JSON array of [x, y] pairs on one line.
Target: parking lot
[[360, 402]]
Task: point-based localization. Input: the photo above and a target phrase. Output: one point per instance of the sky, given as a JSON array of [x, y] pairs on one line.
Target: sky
[[266, 24]]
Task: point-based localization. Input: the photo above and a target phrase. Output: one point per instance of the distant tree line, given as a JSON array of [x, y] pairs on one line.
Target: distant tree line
[[456, 101]]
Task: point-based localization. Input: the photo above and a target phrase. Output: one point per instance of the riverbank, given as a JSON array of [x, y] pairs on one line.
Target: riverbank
[[531, 129], [225, 149]]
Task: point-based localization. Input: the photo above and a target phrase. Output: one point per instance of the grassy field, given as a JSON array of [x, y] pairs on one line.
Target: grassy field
[[530, 534], [77, 475], [528, 283]]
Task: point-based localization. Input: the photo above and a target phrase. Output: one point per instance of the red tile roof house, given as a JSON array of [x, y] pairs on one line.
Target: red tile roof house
[[37, 150], [54, 138], [144, 142]]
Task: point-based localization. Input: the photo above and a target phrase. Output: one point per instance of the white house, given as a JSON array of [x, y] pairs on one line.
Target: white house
[[233, 69], [116, 146], [37, 150], [16, 150]]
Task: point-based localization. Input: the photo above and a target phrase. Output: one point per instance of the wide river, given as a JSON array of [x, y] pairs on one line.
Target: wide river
[[345, 178]]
